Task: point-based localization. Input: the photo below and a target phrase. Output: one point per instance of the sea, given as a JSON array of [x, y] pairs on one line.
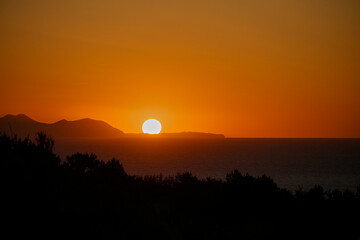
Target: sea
[[292, 163]]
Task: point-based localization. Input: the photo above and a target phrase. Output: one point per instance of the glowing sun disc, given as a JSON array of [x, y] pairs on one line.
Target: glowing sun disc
[[151, 126]]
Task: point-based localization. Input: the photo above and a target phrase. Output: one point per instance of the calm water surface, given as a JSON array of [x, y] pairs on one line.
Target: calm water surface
[[332, 163]]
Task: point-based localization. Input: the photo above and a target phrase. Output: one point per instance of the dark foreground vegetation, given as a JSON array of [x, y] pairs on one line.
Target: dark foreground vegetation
[[86, 197]]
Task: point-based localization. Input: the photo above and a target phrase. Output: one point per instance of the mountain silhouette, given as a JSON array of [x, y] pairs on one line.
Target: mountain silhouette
[[22, 126]]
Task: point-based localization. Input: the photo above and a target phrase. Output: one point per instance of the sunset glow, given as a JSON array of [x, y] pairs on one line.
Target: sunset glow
[[151, 126], [180, 119], [240, 68]]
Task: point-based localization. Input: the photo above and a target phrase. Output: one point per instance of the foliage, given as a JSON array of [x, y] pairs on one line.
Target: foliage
[[87, 197]]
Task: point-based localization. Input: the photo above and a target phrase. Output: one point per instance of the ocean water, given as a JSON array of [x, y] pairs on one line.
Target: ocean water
[[332, 163]]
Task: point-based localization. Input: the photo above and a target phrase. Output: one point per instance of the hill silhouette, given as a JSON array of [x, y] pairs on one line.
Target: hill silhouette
[[22, 126]]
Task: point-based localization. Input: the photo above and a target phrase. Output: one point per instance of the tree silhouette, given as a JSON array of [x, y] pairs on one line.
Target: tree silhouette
[[82, 163], [88, 197], [44, 142]]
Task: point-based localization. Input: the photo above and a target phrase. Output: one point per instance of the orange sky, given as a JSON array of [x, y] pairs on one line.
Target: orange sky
[[242, 68]]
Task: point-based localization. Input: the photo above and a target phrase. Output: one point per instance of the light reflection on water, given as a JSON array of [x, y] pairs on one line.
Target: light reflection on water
[[332, 163]]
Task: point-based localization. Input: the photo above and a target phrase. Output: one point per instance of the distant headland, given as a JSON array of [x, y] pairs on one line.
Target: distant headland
[[175, 135], [22, 126]]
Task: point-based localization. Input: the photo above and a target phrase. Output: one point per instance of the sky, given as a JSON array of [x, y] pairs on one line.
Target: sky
[[256, 68]]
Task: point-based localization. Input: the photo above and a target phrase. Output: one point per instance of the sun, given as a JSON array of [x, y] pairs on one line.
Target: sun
[[151, 126]]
